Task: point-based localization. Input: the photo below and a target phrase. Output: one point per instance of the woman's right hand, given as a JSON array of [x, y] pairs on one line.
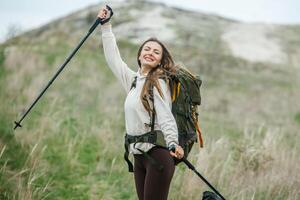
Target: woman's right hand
[[104, 13]]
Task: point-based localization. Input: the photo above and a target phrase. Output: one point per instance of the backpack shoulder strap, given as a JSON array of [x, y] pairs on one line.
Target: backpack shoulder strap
[[133, 84], [153, 109], [152, 121]]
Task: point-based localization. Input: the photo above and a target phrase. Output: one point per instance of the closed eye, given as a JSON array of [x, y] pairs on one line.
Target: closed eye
[[147, 48]]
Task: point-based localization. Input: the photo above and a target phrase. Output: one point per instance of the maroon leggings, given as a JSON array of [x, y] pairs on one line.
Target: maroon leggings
[[150, 183]]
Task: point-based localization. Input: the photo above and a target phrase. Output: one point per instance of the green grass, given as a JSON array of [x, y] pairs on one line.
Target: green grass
[[2, 57], [13, 155], [297, 117]]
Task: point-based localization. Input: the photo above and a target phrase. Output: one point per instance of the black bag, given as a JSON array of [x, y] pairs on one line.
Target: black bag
[[207, 195]]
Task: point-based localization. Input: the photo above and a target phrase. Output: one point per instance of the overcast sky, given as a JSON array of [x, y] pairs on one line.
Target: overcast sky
[[28, 14]]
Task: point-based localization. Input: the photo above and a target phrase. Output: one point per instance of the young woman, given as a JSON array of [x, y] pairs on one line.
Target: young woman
[[149, 94]]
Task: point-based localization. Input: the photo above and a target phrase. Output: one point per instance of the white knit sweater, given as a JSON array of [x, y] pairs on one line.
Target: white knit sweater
[[136, 115]]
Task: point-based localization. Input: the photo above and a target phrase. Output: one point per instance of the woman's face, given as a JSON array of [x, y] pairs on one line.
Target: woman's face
[[151, 54]]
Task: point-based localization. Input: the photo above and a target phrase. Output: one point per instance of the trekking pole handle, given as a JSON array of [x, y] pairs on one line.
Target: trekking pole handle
[[100, 20], [111, 13], [173, 148]]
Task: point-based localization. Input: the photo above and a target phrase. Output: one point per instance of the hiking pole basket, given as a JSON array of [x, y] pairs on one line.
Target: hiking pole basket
[[92, 28]]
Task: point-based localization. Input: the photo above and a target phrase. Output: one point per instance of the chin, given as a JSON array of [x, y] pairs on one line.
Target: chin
[[150, 65]]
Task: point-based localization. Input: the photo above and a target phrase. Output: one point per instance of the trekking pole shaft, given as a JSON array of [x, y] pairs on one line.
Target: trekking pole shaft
[[193, 169], [18, 124]]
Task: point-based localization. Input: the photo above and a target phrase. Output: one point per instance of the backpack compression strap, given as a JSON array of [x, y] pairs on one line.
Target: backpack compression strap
[[197, 126], [199, 133], [176, 91]]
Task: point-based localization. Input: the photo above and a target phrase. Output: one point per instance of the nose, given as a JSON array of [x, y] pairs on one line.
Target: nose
[[151, 52]]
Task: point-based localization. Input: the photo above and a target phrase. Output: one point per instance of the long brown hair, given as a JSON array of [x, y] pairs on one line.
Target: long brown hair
[[164, 70]]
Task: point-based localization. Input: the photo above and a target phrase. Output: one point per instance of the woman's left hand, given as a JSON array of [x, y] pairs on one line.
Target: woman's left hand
[[179, 153]]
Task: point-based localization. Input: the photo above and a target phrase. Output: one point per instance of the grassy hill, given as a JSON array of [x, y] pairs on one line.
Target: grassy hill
[[71, 144]]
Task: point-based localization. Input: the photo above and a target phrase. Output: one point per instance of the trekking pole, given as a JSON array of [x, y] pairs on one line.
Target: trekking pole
[[92, 28], [193, 169], [190, 166]]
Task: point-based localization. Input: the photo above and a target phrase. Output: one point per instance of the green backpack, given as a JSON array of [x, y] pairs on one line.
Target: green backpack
[[185, 94]]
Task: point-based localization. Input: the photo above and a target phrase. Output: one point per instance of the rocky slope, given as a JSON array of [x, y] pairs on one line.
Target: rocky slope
[[138, 20]]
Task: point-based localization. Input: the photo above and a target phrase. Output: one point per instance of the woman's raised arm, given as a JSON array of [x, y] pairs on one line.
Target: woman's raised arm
[[112, 55]]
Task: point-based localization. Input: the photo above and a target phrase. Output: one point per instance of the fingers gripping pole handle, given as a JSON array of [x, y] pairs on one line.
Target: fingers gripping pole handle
[[172, 148], [111, 13], [101, 21]]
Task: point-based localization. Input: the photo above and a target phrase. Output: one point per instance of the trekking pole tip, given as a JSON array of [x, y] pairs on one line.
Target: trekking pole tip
[[17, 124]]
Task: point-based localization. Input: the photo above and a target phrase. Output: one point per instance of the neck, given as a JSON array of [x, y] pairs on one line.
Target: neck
[[145, 70]]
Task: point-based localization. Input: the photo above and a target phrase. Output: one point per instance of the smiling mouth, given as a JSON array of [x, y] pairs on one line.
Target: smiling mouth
[[147, 58]]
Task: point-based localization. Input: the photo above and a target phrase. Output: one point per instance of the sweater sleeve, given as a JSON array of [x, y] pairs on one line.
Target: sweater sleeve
[[112, 55], [164, 116]]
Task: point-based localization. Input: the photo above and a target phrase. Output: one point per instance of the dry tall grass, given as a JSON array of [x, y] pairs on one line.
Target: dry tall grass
[[257, 166]]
